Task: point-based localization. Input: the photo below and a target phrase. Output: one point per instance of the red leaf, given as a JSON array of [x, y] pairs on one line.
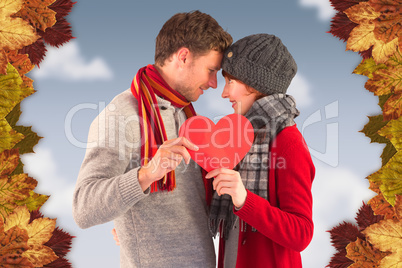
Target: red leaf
[[36, 214], [341, 26], [62, 8], [343, 234], [36, 51], [59, 34], [342, 5], [367, 53], [365, 217], [60, 242], [339, 260]]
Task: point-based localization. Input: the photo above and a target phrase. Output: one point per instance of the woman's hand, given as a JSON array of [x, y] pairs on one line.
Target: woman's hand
[[229, 182]]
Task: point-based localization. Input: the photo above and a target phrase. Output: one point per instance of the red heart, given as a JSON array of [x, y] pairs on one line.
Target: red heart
[[222, 145]]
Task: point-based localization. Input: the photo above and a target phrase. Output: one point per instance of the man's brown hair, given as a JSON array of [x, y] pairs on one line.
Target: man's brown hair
[[197, 31]]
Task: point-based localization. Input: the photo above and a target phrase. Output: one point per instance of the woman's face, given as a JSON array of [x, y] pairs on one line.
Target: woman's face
[[238, 95]]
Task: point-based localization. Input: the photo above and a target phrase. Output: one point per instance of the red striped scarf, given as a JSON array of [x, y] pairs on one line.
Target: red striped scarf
[[146, 84]]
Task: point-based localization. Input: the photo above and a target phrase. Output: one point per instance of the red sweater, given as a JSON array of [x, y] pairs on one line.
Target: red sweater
[[284, 223]]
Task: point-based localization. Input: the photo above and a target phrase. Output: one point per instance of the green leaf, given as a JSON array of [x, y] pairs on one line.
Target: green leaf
[[34, 201], [8, 136], [390, 177], [373, 126], [31, 139], [368, 66], [12, 90], [393, 132]]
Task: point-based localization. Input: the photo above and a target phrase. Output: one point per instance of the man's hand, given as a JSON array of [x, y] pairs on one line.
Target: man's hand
[[229, 182], [115, 237], [167, 158]]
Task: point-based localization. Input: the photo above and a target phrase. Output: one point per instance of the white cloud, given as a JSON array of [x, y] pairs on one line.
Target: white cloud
[[300, 90], [42, 167], [67, 63], [324, 8], [338, 193]]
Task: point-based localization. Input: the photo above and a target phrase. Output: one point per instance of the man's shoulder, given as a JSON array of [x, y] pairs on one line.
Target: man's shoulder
[[123, 102]]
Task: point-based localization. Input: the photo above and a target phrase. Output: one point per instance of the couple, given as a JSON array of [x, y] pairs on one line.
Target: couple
[[165, 209]]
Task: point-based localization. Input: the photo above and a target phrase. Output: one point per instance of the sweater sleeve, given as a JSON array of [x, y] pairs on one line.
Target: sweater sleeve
[[290, 223], [107, 184]]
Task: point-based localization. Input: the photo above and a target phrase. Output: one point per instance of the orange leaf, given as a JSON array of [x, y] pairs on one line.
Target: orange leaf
[[13, 243], [361, 13], [388, 25], [393, 107], [23, 65], [38, 13], [363, 254], [8, 161], [386, 81]]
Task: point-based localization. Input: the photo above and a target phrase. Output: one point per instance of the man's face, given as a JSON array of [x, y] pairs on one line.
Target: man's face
[[199, 75]]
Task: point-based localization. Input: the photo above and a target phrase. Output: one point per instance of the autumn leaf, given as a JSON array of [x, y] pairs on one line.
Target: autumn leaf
[[16, 187], [388, 25], [365, 217], [39, 232], [23, 65], [34, 201], [15, 33], [8, 136], [62, 8], [373, 126], [38, 13], [363, 254], [363, 13], [342, 26], [13, 243], [343, 234], [8, 161], [40, 255], [390, 178], [382, 207], [393, 107], [392, 261], [386, 81], [393, 132], [385, 235], [368, 66], [35, 51], [59, 34], [12, 90], [342, 5]]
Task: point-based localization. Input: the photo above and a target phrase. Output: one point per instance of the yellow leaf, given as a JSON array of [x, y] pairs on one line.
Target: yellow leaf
[[12, 90], [385, 235], [40, 231], [10, 7], [33, 202], [20, 217], [361, 38], [16, 33], [40, 255], [382, 51], [8, 136], [38, 13], [363, 254], [392, 261], [361, 13]]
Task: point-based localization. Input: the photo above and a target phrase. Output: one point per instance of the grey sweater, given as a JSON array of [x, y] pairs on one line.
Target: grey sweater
[[162, 229]]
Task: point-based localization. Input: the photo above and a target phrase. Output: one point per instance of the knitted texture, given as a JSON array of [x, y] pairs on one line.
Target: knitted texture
[[261, 61]]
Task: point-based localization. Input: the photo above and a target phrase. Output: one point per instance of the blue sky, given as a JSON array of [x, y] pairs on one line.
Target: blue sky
[[113, 41]]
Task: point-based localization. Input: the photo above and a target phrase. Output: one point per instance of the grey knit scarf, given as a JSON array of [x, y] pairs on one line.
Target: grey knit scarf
[[268, 116]]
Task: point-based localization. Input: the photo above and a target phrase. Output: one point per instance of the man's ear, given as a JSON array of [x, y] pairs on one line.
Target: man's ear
[[183, 55]]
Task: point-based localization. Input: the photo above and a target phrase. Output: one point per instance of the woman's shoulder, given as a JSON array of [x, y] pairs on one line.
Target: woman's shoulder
[[289, 138]]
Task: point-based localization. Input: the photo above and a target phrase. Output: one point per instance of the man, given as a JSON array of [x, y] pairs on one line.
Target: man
[[134, 173]]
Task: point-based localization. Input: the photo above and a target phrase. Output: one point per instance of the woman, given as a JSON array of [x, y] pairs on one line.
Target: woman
[[269, 221]]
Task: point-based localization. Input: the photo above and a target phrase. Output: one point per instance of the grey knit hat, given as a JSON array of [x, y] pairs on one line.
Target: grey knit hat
[[262, 62]]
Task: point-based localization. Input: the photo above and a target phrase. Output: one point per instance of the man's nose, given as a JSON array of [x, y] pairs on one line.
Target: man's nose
[[213, 82]]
